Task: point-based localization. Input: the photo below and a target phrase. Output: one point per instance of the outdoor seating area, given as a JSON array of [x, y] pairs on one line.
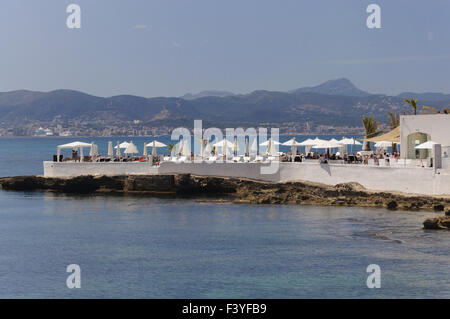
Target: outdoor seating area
[[314, 151], [114, 154]]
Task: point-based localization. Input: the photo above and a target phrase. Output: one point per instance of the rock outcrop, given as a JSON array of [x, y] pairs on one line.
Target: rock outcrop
[[150, 184], [242, 191], [442, 222]]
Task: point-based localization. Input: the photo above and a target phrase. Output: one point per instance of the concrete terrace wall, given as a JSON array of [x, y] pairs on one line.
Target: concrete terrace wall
[[404, 179], [417, 180], [238, 170], [70, 169]]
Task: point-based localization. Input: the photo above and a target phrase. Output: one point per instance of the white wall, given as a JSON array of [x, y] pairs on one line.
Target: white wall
[[436, 125], [68, 169], [404, 179]]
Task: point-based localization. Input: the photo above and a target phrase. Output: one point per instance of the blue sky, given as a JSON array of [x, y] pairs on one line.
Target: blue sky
[[171, 47]]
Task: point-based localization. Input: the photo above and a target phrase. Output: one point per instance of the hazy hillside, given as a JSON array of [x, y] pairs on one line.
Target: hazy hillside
[[334, 87], [343, 109], [429, 96]]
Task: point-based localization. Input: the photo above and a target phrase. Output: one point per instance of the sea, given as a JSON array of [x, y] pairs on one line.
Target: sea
[[143, 247]]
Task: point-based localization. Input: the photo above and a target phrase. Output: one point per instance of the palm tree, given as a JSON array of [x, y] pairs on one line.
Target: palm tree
[[394, 121], [428, 109], [371, 128], [413, 104], [170, 147]]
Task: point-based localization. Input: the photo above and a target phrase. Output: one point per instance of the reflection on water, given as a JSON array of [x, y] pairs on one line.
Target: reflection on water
[[148, 247]]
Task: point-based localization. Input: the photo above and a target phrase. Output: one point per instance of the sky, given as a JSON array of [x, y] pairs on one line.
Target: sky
[[173, 47]]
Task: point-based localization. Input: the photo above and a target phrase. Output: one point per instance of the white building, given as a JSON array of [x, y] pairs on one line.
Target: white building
[[418, 129], [410, 174]]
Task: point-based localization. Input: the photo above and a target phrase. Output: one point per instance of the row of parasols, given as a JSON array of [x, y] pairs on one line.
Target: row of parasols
[[183, 146], [128, 147]]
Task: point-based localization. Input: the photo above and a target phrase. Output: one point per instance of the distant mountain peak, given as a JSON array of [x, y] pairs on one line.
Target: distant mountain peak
[[341, 86]]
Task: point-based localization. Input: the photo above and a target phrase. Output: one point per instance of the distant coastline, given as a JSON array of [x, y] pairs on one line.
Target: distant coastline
[[334, 107]]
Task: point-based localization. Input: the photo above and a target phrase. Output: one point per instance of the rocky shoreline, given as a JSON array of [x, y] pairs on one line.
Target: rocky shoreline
[[239, 191]]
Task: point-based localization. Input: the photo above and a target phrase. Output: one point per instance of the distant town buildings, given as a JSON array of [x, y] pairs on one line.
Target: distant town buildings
[[43, 132], [84, 128]]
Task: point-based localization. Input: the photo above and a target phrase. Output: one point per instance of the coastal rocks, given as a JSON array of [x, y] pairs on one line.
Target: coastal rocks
[[242, 191], [183, 184], [187, 184], [23, 183], [146, 183], [442, 222], [350, 187], [392, 205], [78, 185]]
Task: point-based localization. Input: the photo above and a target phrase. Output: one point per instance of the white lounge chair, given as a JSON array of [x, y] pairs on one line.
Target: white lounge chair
[[166, 158], [212, 159], [246, 159], [236, 159]]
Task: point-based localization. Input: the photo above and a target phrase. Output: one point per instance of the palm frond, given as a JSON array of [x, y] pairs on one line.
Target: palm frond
[[429, 109]]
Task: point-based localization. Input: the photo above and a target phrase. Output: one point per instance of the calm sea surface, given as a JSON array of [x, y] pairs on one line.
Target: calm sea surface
[[163, 248]]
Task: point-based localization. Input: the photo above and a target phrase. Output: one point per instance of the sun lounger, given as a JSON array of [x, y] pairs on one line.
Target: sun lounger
[[236, 159]]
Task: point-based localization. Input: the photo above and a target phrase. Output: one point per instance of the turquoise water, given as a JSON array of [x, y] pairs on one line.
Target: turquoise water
[[162, 248], [178, 248]]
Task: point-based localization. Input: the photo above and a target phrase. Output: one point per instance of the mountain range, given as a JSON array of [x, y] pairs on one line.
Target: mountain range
[[334, 87], [336, 102]]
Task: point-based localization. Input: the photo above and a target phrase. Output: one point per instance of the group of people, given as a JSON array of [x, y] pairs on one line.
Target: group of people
[[346, 158], [99, 158]]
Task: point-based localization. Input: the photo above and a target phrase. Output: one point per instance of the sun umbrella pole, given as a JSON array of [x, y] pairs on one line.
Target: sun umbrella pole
[[202, 149], [247, 151], [224, 149]]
